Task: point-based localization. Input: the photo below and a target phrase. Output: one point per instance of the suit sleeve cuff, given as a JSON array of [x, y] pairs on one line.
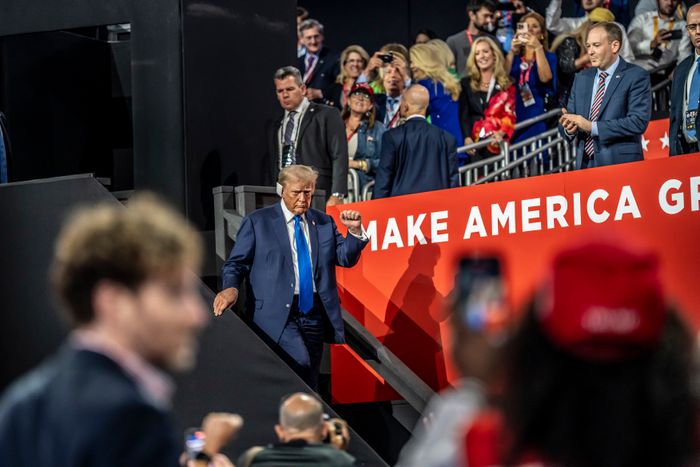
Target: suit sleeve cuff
[[363, 237], [594, 129]]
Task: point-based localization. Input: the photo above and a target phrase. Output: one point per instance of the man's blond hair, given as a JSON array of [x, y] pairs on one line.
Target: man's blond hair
[[297, 173]]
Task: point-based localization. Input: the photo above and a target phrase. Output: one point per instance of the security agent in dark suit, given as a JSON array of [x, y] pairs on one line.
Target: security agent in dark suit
[[610, 104], [685, 94], [288, 254], [309, 134], [416, 156], [125, 278], [319, 65]]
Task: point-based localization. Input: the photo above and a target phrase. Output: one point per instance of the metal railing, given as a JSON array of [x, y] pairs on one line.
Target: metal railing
[[544, 153]]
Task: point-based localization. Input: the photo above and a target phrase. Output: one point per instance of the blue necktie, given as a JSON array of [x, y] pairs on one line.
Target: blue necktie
[[694, 96], [306, 284]]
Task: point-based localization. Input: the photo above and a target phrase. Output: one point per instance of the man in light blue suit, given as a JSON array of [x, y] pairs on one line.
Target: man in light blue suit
[[288, 253], [610, 104]]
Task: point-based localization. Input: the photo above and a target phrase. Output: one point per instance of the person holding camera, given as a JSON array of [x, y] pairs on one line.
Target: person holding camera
[[657, 37], [305, 438]]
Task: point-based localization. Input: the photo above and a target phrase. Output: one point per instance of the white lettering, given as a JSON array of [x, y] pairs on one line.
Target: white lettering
[[677, 198], [556, 214], [601, 320], [596, 217], [627, 204], [577, 208], [414, 231], [475, 224], [436, 228], [694, 193], [503, 218], [528, 214], [392, 235], [371, 231]]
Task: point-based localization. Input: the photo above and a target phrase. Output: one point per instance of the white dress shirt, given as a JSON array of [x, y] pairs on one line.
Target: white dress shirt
[[298, 116], [289, 218]]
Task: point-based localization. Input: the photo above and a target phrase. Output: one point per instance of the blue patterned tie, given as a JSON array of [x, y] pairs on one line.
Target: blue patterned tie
[[694, 96], [306, 285]]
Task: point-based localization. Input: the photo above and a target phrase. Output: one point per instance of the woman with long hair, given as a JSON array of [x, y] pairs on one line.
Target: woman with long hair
[[487, 102], [353, 61], [363, 132], [532, 68], [443, 88]]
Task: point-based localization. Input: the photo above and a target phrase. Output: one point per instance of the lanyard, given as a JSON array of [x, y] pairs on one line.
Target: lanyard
[[309, 72], [393, 120], [354, 132], [656, 29], [525, 74], [469, 37]]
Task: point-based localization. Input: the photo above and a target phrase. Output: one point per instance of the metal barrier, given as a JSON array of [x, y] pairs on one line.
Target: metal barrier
[[661, 91], [544, 153], [353, 186]]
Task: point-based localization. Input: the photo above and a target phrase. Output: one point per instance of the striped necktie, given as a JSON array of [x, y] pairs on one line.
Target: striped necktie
[[589, 148]]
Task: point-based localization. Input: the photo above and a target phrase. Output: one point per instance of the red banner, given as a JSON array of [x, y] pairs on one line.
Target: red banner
[[399, 288]]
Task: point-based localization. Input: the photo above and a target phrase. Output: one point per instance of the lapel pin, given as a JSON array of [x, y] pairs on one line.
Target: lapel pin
[[313, 222]]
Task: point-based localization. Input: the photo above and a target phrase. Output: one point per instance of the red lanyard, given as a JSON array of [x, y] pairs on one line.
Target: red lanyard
[[354, 132], [525, 74], [393, 120], [469, 37]]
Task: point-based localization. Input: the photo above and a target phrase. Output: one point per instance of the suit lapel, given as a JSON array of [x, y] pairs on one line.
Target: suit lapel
[[313, 238], [306, 121], [588, 94], [614, 82], [279, 226]]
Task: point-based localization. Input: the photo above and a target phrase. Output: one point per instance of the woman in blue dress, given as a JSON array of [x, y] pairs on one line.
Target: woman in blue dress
[[533, 71], [443, 88]]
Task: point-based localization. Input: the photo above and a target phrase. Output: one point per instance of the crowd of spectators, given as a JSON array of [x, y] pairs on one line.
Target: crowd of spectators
[[508, 65]]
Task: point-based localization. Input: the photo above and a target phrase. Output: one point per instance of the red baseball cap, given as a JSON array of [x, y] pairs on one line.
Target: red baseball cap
[[604, 302], [364, 88]]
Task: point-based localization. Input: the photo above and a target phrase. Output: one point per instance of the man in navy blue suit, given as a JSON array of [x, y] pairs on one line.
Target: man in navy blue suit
[[610, 104], [685, 94], [124, 276], [288, 253], [416, 156]]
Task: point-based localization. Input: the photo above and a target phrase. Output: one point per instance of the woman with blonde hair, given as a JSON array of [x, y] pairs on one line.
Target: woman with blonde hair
[[445, 54], [487, 102], [443, 88], [353, 62]]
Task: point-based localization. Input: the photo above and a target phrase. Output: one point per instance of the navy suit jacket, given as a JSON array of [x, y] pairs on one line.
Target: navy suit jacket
[[678, 85], [263, 255], [416, 157], [81, 409], [325, 72], [624, 114]]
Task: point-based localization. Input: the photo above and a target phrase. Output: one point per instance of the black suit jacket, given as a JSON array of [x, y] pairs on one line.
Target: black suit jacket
[[416, 157], [81, 409], [325, 73], [678, 85], [321, 144]]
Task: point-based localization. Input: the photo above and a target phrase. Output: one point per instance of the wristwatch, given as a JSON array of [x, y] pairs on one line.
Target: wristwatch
[[339, 195]]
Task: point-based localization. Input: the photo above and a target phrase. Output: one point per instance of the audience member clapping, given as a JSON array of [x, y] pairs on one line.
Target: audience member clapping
[[532, 68], [572, 55], [363, 132], [429, 71], [353, 61], [598, 374], [487, 102], [319, 65]]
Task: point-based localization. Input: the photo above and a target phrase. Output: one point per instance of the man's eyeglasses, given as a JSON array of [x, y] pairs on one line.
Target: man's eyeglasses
[[693, 27]]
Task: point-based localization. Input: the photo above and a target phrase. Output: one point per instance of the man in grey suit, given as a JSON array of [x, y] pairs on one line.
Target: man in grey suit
[[610, 104], [309, 134]]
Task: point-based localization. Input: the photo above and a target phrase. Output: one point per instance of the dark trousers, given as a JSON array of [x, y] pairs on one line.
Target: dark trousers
[[301, 342]]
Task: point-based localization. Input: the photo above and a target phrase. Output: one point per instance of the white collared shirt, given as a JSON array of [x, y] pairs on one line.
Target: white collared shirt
[[300, 111], [289, 219]]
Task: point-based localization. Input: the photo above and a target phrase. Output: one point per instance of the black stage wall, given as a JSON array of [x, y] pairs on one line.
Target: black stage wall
[[236, 371], [198, 85]]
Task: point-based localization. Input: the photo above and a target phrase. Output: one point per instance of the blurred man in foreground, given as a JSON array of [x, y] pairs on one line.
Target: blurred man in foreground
[[125, 280]]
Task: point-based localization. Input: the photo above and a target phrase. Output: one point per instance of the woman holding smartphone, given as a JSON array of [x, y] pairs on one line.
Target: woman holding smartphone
[[532, 69]]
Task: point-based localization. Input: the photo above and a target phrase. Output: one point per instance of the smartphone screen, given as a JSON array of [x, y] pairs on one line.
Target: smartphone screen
[[194, 442], [482, 297]]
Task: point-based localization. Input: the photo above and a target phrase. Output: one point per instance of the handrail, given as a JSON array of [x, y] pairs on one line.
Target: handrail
[[352, 173], [533, 139], [480, 164], [662, 67], [661, 85], [519, 161]]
